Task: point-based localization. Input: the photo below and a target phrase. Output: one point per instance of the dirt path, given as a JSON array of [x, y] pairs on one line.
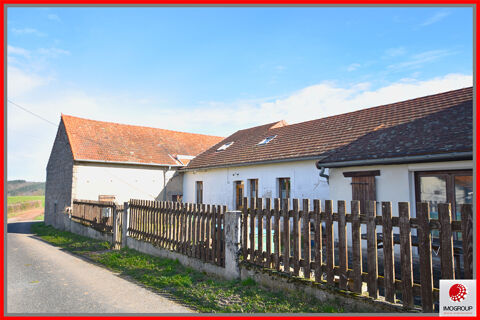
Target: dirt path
[[27, 215]]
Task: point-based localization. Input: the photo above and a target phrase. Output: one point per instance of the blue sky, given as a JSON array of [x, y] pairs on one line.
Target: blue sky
[[218, 70]]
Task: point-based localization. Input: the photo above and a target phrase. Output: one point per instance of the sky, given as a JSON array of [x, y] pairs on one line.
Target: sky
[[218, 70]]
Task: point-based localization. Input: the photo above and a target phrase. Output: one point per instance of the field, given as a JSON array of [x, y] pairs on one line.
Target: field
[[18, 199], [18, 205]]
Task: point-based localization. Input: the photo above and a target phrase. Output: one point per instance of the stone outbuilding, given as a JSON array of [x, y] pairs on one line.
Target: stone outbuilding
[[95, 160]]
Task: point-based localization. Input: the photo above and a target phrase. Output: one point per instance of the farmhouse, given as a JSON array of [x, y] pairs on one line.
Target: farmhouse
[[419, 149], [95, 160]]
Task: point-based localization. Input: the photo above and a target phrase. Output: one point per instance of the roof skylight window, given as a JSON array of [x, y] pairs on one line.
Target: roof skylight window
[[266, 140], [225, 146]]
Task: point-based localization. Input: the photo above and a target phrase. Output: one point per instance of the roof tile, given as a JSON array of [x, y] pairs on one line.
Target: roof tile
[[106, 141], [322, 137]]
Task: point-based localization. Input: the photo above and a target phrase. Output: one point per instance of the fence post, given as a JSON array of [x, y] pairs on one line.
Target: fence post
[[114, 226], [232, 243], [125, 223]]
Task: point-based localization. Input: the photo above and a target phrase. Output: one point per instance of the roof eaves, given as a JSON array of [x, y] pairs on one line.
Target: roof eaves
[[129, 163], [72, 149], [398, 160], [243, 164]]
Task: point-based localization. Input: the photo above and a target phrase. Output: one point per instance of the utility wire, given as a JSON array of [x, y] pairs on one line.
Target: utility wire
[[93, 141], [36, 115]]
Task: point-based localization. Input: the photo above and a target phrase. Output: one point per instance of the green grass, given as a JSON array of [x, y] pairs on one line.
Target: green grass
[[197, 290], [40, 217], [18, 199]]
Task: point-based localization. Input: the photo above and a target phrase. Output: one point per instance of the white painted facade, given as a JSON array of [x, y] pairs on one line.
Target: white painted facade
[[395, 183], [219, 183], [125, 182]]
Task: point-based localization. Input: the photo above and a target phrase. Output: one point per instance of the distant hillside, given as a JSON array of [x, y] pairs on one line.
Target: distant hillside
[[25, 188]]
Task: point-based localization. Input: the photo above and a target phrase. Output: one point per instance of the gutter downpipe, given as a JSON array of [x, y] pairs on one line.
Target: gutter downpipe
[[322, 171], [165, 183]]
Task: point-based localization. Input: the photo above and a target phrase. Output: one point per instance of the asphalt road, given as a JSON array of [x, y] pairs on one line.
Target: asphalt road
[[42, 278]]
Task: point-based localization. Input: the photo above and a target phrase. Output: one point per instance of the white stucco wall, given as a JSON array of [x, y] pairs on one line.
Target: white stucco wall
[[124, 181], [395, 183], [219, 184]]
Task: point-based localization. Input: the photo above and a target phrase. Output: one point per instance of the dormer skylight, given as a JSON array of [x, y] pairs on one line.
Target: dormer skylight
[[225, 146], [266, 140]]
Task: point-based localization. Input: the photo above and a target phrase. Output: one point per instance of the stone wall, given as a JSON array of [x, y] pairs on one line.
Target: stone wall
[[64, 222], [279, 281], [58, 189], [232, 250]]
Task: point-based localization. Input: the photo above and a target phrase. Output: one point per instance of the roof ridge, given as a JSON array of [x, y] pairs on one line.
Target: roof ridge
[[383, 106], [137, 126], [313, 138], [271, 125]]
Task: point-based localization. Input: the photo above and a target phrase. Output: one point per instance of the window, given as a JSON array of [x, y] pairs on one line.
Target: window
[[225, 146], [266, 140], [454, 187], [283, 188], [199, 192], [253, 192], [239, 195], [177, 198]]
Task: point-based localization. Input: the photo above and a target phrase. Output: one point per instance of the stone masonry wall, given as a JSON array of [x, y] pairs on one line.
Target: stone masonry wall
[[58, 189]]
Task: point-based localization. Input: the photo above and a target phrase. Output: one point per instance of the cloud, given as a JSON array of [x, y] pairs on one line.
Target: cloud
[[28, 70], [395, 52], [54, 17], [11, 50], [328, 99], [31, 139], [53, 52], [20, 82], [438, 16], [25, 31], [353, 67], [419, 59]]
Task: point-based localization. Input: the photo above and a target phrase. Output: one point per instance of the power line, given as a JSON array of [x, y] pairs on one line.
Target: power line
[[86, 138], [93, 141], [32, 113]]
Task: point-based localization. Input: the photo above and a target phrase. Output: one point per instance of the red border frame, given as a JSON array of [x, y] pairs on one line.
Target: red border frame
[[220, 2]]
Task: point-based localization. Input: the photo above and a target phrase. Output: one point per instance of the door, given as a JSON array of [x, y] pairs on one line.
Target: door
[[239, 195], [363, 189]]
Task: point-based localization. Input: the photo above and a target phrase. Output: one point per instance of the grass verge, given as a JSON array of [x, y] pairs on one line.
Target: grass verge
[[197, 290], [18, 199]]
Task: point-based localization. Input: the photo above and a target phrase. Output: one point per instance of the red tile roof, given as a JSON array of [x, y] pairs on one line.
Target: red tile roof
[[320, 138], [113, 142]]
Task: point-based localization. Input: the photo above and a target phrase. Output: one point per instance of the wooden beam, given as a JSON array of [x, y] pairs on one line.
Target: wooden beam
[[350, 174]]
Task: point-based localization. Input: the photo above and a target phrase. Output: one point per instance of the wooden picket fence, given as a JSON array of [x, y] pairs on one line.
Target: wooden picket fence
[[267, 239], [195, 230], [95, 214]]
